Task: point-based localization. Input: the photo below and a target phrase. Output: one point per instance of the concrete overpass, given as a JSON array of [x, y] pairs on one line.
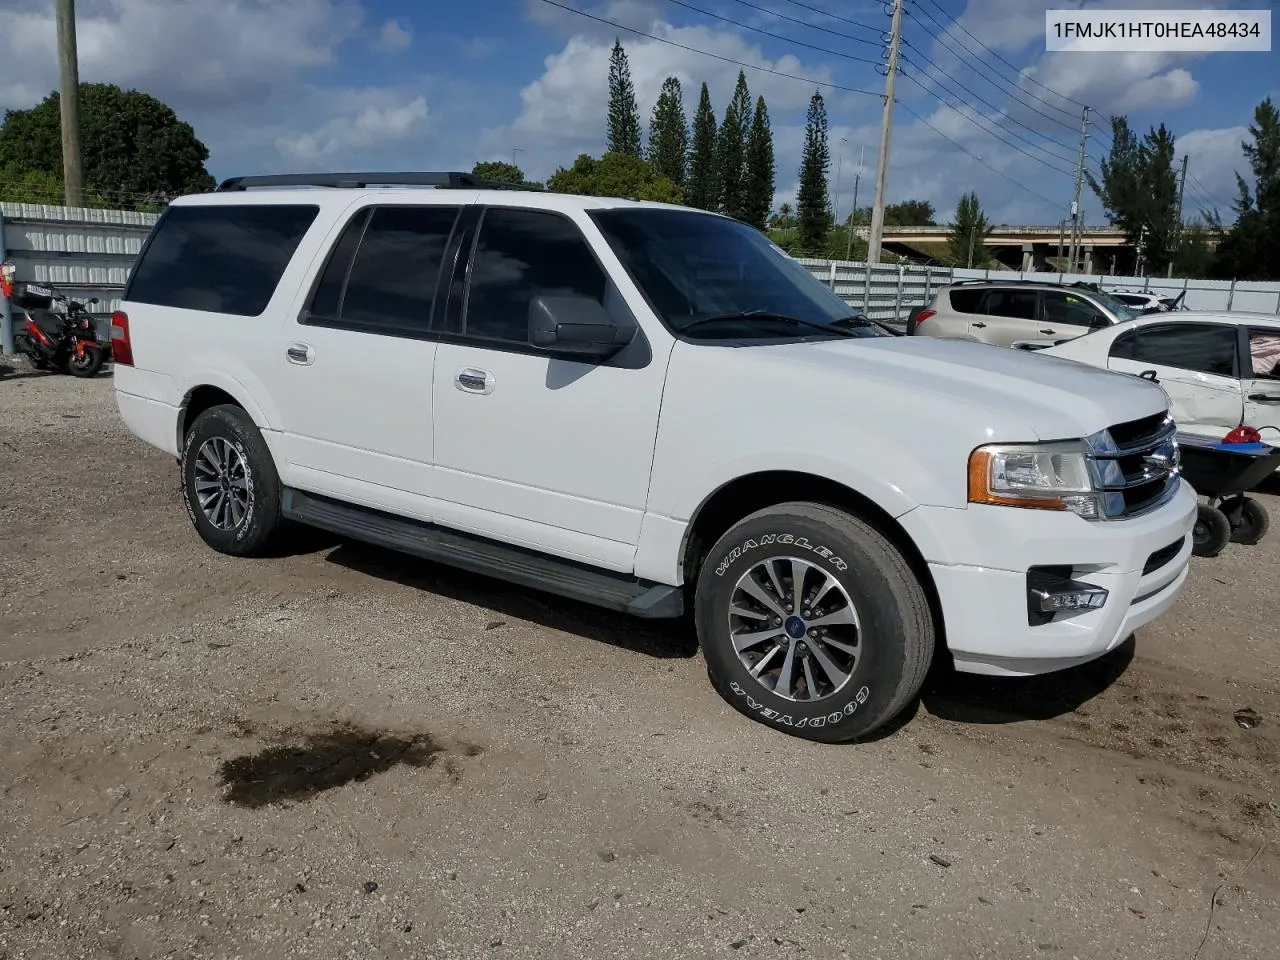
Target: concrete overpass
[[1020, 247]]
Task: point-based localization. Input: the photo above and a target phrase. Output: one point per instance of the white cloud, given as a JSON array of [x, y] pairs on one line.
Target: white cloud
[[365, 121], [1214, 158], [394, 37]]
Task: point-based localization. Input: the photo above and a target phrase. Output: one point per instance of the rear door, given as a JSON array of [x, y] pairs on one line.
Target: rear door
[[1198, 364], [1262, 381], [1008, 315], [355, 364]]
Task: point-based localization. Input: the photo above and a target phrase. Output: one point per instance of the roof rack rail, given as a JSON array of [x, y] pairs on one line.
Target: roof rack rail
[[448, 180]]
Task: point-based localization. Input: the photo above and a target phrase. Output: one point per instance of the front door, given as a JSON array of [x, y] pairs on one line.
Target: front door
[[1198, 366], [546, 453], [356, 364], [1065, 316], [1262, 386]]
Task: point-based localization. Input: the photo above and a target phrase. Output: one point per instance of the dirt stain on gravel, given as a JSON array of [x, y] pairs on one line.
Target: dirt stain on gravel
[[316, 762]]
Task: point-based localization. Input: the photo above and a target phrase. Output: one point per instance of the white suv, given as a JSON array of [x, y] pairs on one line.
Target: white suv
[[645, 407]]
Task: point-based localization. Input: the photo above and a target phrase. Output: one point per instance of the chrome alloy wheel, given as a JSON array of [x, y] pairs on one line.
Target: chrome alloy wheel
[[795, 629], [222, 483]]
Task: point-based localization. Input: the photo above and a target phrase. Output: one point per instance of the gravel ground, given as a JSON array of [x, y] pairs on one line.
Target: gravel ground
[[340, 752]]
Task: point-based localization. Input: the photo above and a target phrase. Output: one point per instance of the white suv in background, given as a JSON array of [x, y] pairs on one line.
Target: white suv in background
[[645, 407]]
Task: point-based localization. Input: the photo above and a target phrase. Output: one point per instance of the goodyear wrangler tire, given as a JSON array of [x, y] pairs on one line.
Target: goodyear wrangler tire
[[832, 661], [229, 482]]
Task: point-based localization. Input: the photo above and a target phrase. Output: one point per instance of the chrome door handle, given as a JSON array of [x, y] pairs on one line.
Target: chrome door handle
[[300, 353], [473, 380]]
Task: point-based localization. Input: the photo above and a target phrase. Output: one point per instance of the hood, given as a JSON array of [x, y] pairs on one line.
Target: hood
[[1046, 397]]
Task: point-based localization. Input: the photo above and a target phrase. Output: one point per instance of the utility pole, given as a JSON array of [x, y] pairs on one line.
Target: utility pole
[[848, 250], [973, 230], [835, 213], [514, 151], [1182, 186], [1075, 200], [1142, 239], [886, 127], [69, 100]]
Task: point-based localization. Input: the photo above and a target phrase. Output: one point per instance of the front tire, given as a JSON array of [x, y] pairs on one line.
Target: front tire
[[87, 364], [835, 660], [1252, 523], [229, 482], [1212, 531]]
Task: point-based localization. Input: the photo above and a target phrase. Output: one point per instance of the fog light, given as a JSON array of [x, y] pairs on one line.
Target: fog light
[[1050, 591]]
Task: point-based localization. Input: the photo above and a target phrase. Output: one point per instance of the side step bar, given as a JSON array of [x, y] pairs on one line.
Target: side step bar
[[528, 568]]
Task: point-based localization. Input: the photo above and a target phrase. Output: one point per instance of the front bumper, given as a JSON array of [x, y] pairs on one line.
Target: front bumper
[[979, 558]]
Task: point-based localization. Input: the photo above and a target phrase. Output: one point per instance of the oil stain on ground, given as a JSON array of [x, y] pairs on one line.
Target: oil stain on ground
[[320, 761]]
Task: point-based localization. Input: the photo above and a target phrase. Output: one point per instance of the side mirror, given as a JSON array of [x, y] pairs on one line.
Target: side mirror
[[1099, 323], [576, 328]]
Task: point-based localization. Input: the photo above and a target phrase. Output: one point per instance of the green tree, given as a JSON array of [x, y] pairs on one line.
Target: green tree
[[1195, 253], [623, 133], [614, 175], [908, 213], [134, 148], [758, 191], [29, 186], [732, 151], [669, 133], [499, 171], [966, 240], [1250, 250], [812, 199], [1139, 191], [703, 187]]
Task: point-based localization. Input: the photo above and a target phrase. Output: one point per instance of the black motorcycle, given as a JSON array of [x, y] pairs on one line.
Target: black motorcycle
[[64, 341]]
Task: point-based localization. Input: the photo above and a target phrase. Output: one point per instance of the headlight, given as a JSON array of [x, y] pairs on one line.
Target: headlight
[[1042, 476]]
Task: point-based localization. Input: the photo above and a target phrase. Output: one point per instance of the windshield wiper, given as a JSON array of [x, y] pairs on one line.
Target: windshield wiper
[[768, 315]]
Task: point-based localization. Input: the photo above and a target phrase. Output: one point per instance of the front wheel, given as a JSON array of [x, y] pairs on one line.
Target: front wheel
[[87, 363], [1212, 531], [813, 623]]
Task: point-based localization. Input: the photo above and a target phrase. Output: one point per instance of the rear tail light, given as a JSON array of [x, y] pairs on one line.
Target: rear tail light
[[121, 346], [924, 315], [1243, 434]]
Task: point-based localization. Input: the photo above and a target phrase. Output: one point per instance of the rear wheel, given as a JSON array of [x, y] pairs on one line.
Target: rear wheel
[[229, 482], [813, 623], [1212, 531], [1251, 524]]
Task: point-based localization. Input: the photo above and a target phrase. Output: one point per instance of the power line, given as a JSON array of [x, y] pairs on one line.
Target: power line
[[774, 36], [966, 151], [832, 16], [1010, 89], [1013, 133], [986, 130], [812, 26], [1008, 64], [714, 56]]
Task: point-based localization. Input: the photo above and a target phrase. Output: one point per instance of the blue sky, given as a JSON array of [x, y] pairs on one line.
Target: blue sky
[[279, 85]]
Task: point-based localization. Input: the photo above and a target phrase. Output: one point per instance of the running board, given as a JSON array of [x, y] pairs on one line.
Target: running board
[[527, 568]]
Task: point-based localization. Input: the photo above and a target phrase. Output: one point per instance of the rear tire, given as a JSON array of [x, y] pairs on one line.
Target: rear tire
[[1212, 531], [229, 482], [874, 636], [1253, 523]]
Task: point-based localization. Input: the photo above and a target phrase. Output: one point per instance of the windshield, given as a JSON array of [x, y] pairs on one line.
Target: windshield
[[1122, 311], [721, 279]]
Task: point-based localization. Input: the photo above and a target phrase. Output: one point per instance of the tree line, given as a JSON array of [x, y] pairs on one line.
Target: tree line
[[1140, 193]]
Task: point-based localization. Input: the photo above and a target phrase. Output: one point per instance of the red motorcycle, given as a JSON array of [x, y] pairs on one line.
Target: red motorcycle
[[64, 341]]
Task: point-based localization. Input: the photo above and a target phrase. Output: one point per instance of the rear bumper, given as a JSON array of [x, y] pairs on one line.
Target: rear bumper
[[153, 421], [983, 591]]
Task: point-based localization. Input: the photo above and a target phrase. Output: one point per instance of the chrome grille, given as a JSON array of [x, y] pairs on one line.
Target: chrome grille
[[1136, 465]]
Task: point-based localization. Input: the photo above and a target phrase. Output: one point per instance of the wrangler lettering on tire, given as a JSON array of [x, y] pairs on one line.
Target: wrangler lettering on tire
[[813, 622]]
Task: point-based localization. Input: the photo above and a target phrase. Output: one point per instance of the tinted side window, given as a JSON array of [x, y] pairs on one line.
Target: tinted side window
[[521, 254], [1069, 309], [1020, 304], [219, 258], [1190, 346], [391, 281], [1125, 346], [965, 299]]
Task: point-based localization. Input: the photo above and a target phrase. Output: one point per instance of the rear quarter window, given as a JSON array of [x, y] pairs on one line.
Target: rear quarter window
[[219, 259], [965, 300]]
